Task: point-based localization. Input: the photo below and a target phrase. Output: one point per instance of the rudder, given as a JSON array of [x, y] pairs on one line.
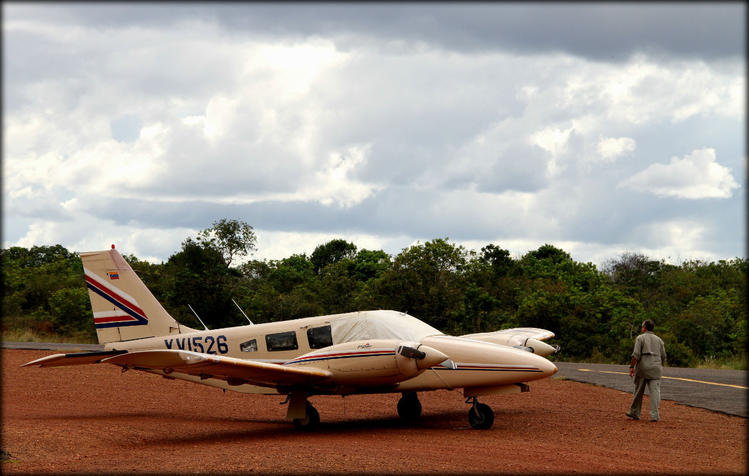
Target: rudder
[[123, 307]]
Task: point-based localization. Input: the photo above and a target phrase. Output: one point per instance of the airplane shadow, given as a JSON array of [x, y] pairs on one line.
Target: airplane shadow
[[282, 430], [258, 429], [108, 416]]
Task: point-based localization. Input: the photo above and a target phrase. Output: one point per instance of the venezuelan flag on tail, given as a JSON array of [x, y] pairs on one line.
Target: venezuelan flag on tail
[[123, 307]]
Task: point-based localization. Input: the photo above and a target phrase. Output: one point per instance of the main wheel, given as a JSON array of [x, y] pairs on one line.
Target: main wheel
[[481, 416], [311, 419], [409, 407]]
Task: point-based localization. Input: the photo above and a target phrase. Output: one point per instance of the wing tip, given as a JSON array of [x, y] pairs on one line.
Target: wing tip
[[40, 361]]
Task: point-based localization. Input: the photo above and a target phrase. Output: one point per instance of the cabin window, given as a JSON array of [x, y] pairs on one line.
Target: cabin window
[[319, 337], [281, 341], [249, 346]]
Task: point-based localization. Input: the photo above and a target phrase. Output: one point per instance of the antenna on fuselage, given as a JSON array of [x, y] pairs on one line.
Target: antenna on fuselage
[[240, 310], [196, 315]]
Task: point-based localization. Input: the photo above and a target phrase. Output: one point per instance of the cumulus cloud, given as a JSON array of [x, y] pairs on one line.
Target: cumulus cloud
[[695, 176], [611, 148]]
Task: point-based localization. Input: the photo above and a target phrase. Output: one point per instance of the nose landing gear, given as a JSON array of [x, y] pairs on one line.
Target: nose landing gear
[[480, 416]]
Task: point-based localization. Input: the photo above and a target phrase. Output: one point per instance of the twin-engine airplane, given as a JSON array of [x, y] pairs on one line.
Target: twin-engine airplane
[[339, 354]]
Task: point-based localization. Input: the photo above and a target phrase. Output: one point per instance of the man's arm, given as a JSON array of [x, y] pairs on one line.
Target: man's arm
[[664, 357], [635, 355]]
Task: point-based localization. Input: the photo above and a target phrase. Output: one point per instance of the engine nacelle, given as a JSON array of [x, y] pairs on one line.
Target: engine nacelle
[[372, 362]]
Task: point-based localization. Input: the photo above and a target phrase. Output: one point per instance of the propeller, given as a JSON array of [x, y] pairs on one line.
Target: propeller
[[424, 358]]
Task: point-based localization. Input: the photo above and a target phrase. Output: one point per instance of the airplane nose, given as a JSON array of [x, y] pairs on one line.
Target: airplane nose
[[547, 367]]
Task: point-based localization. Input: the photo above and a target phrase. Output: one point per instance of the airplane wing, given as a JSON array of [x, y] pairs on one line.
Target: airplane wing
[[233, 370], [525, 337], [77, 358], [530, 332]]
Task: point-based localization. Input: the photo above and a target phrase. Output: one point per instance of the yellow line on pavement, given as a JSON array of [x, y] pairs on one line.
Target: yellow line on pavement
[[709, 383], [672, 378]]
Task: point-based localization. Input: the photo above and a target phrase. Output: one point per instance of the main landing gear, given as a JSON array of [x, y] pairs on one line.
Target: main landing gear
[[409, 407], [301, 412], [480, 416], [311, 418]]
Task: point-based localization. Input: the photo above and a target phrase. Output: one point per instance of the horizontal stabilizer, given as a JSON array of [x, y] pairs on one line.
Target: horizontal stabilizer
[[78, 358]]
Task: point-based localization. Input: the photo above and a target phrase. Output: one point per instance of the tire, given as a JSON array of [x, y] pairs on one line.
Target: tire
[[409, 407], [481, 416], [310, 421]]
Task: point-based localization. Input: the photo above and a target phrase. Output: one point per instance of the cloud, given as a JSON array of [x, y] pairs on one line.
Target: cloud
[[696, 176], [611, 148], [603, 32], [126, 128], [392, 122]]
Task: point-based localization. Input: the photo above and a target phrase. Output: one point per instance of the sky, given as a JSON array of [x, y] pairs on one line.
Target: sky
[[602, 129]]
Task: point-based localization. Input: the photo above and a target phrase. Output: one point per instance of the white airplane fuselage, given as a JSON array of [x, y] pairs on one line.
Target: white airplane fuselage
[[474, 364]]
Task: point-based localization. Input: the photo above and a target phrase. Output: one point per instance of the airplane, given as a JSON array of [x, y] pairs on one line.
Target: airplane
[[378, 351]]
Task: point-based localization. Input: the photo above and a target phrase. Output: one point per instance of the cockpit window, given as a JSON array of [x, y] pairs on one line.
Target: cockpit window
[[319, 337], [281, 341]]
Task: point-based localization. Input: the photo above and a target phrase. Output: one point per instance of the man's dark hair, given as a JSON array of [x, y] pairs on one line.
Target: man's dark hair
[[649, 325]]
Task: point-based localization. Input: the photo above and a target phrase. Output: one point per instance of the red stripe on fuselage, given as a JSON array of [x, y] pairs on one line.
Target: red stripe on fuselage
[[346, 354]]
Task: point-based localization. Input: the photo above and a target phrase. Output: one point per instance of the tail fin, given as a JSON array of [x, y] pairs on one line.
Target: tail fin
[[124, 308]]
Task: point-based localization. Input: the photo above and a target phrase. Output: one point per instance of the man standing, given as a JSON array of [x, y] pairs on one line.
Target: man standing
[[648, 357]]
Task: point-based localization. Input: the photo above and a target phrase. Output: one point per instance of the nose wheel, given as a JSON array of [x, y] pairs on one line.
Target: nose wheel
[[409, 407], [480, 416]]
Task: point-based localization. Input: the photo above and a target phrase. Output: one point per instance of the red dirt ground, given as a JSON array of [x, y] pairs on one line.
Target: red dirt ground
[[95, 418]]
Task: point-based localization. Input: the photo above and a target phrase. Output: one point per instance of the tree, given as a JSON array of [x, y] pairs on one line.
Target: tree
[[369, 264], [331, 252], [499, 260], [632, 269], [231, 238], [71, 311], [426, 281], [199, 276]]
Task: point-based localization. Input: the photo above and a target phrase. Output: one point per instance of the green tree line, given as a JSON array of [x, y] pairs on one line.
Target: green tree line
[[699, 307]]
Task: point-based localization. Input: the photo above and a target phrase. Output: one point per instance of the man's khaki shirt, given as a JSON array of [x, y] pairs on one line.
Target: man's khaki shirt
[[650, 354]]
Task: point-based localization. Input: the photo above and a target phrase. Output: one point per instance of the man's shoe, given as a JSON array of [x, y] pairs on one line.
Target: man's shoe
[[654, 420], [632, 416]]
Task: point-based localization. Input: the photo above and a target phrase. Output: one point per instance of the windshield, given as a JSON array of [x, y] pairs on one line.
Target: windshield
[[380, 325]]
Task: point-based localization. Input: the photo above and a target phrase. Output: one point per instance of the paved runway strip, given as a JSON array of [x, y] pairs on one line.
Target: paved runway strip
[[718, 390]]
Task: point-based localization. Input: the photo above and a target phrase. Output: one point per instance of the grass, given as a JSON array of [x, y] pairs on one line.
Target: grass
[[28, 335], [726, 363]]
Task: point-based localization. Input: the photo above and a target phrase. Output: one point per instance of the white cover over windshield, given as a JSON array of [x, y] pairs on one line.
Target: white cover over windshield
[[380, 325]]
